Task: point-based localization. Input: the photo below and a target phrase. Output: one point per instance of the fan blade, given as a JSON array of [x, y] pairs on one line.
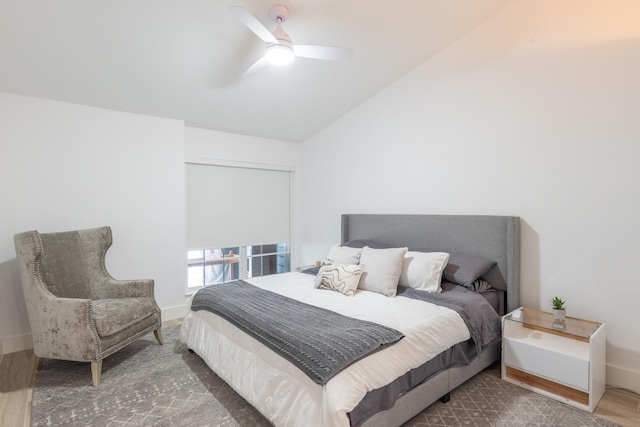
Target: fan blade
[[322, 52], [257, 66], [253, 24]]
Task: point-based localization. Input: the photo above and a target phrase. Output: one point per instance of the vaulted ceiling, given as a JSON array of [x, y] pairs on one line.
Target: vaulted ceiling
[[185, 59]]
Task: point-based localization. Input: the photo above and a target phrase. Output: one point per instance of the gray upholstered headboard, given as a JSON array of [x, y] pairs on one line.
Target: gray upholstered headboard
[[493, 237]]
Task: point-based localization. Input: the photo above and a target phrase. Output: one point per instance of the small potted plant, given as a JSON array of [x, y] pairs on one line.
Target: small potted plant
[[559, 310]]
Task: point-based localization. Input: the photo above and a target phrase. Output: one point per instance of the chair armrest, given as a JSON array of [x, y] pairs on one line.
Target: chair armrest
[[63, 328], [112, 288]]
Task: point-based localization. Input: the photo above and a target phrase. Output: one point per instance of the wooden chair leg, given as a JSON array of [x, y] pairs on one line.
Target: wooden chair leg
[[158, 334], [37, 365], [96, 371]]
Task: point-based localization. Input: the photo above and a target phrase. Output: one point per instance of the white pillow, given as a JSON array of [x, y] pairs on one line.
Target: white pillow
[[423, 270], [343, 278], [382, 268], [344, 255]]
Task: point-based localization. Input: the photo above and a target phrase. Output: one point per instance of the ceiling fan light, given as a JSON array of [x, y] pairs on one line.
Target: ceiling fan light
[[279, 54]]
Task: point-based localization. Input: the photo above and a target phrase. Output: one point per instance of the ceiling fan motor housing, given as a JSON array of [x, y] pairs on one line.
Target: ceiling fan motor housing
[[282, 37], [279, 14], [280, 53]]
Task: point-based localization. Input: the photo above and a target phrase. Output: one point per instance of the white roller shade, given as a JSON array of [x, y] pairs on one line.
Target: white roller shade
[[235, 206]]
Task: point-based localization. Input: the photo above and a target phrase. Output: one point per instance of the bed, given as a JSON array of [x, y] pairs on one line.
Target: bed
[[392, 384]]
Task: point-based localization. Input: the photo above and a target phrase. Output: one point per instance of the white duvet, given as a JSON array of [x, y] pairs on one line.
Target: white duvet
[[284, 394]]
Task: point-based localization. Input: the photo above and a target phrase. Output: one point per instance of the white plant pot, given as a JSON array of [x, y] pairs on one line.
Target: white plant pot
[[559, 314], [558, 319]]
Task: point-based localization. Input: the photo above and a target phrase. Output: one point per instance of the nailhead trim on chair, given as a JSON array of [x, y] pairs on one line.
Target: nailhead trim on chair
[[129, 341], [94, 333], [38, 260]]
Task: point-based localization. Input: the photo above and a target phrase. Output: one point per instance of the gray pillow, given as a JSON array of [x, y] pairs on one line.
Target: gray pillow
[[465, 269]]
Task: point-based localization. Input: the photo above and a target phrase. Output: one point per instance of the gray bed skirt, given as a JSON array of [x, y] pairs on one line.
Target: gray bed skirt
[[410, 404]]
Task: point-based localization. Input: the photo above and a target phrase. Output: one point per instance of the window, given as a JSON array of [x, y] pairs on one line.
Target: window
[[263, 260], [210, 266], [233, 213], [219, 265]]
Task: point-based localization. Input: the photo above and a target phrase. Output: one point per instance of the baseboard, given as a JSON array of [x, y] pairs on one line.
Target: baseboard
[[15, 343], [175, 312], [623, 378]]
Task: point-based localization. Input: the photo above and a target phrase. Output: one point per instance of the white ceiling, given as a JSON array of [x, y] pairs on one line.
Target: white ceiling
[[184, 59]]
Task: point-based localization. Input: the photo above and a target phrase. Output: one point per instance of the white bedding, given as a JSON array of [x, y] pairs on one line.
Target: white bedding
[[285, 395]]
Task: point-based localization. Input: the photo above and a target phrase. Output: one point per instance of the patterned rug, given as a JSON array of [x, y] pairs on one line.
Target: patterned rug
[[146, 384]]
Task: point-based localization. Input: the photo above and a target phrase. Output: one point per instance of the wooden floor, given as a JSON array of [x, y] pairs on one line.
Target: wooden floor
[[16, 372], [16, 380]]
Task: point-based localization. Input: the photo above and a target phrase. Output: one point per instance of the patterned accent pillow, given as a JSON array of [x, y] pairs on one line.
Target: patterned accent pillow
[[343, 278], [480, 285]]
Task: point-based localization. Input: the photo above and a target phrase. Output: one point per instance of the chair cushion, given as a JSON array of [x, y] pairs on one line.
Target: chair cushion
[[113, 315]]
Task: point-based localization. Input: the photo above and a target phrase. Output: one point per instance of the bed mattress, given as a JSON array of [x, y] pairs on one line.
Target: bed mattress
[[287, 397]]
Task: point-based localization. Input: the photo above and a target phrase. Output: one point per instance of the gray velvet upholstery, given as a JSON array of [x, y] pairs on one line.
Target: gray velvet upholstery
[[77, 311]]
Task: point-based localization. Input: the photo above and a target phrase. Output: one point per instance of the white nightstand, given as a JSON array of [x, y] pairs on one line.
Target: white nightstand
[[565, 364]]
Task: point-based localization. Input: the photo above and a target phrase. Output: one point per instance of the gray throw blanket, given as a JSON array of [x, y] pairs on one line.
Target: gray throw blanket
[[319, 342]]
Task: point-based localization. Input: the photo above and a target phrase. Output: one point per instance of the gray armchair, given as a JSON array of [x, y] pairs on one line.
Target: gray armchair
[[77, 311]]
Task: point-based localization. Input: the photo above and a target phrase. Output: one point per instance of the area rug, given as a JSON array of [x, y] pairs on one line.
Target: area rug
[[147, 384]]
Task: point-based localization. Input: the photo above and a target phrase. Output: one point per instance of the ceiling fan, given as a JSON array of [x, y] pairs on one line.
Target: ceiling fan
[[279, 49]]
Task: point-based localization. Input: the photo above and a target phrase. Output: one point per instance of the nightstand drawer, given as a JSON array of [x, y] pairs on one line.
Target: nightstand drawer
[[549, 356]]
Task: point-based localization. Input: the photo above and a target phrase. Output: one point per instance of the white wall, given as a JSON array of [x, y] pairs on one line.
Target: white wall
[[535, 114], [214, 145], [65, 167]]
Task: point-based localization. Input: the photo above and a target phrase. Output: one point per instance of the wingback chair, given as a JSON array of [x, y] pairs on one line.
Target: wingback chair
[[77, 311]]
